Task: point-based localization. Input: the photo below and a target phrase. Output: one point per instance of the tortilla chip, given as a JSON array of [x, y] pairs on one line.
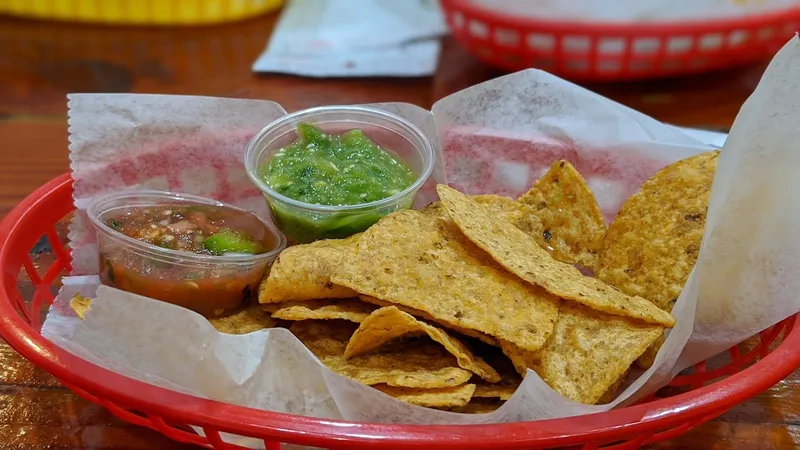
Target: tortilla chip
[[81, 305], [521, 255], [431, 398], [351, 309], [572, 223], [389, 323], [479, 406], [655, 257], [417, 364], [417, 313], [422, 262], [612, 392], [653, 243], [248, 320], [502, 390], [518, 214], [589, 351], [521, 359], [303, 272], [649, 356]]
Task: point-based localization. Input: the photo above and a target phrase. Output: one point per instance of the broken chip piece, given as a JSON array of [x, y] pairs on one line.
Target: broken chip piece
[[572, 225], [81, 305], [432, 398], [485, 338], [303, 272], [351, 309], [248, 320], [417, 364], [389, 323]]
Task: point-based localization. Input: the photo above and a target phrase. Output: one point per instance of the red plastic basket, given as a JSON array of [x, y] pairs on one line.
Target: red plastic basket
[[699, 395], [607, 51]]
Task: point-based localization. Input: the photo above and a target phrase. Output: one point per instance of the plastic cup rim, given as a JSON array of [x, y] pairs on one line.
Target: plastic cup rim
[[94, 211], [252, 150]]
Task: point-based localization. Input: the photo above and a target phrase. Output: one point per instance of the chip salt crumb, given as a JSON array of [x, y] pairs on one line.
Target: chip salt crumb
[[81, 305]]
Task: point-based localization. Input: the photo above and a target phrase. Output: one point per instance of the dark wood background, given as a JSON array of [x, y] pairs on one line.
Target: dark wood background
[[41, 62]]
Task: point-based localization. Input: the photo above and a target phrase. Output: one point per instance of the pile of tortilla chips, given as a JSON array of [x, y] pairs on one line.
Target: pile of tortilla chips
[[448, 307]]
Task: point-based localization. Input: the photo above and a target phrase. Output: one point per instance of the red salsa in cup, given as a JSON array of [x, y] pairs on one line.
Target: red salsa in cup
[[206, 257]]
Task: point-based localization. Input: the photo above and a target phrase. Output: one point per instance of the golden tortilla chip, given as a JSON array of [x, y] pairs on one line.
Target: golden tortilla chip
[[422, 262], [389, 323], [502, 390], [649, 356], [351, 309], [653, 255], [521, 359], [81, 305], [521, 255], [612, 392], [417, 364], [572, 223], [248, 320], [653, 243], [518, 214], [589, 351], [417, 313], [303, 272], [431, 398], [478, 406]]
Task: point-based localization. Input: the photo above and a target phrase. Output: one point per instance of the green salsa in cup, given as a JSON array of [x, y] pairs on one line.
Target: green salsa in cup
[[327, 175]]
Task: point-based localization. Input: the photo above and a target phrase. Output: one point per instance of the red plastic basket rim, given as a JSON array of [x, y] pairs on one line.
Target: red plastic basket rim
[[620, 28], [176, 407]]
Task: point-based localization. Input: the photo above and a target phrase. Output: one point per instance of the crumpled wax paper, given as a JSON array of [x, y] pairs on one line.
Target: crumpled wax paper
[[635, 10], [496, 137]]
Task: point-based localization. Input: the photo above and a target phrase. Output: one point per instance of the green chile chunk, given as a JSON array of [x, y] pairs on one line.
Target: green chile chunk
[[230, 241]]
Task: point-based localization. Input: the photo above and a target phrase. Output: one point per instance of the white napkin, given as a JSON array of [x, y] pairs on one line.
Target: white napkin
[[355, 38]]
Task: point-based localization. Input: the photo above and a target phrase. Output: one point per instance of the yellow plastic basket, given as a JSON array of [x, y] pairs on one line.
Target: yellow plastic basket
[[140, 12]]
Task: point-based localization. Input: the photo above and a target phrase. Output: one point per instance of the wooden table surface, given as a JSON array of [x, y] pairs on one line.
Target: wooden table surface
[[41, 62]]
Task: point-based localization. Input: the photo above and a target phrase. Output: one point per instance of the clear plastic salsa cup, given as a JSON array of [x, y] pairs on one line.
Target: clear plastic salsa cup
[[307, 222], [212, 285]]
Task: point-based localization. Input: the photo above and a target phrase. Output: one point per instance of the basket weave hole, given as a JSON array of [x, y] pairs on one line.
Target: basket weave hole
[[541, 42], [506, 37], [640, 66], [611, 46], [577, 65], [40, 277], [765, 33], [646, 45], [544, 63], [738, 37], [710, 42], [680, 44], [671, 65], [609, 66], [577, 44], [478, 29]]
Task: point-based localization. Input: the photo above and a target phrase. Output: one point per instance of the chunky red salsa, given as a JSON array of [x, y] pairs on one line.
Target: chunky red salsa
[[201, 229], [210, 288]]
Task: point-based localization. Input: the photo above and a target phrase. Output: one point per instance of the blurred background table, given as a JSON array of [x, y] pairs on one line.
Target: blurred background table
[[41, 62]]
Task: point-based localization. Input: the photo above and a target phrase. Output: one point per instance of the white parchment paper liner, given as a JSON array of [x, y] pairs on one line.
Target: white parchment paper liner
[[497, 137]]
